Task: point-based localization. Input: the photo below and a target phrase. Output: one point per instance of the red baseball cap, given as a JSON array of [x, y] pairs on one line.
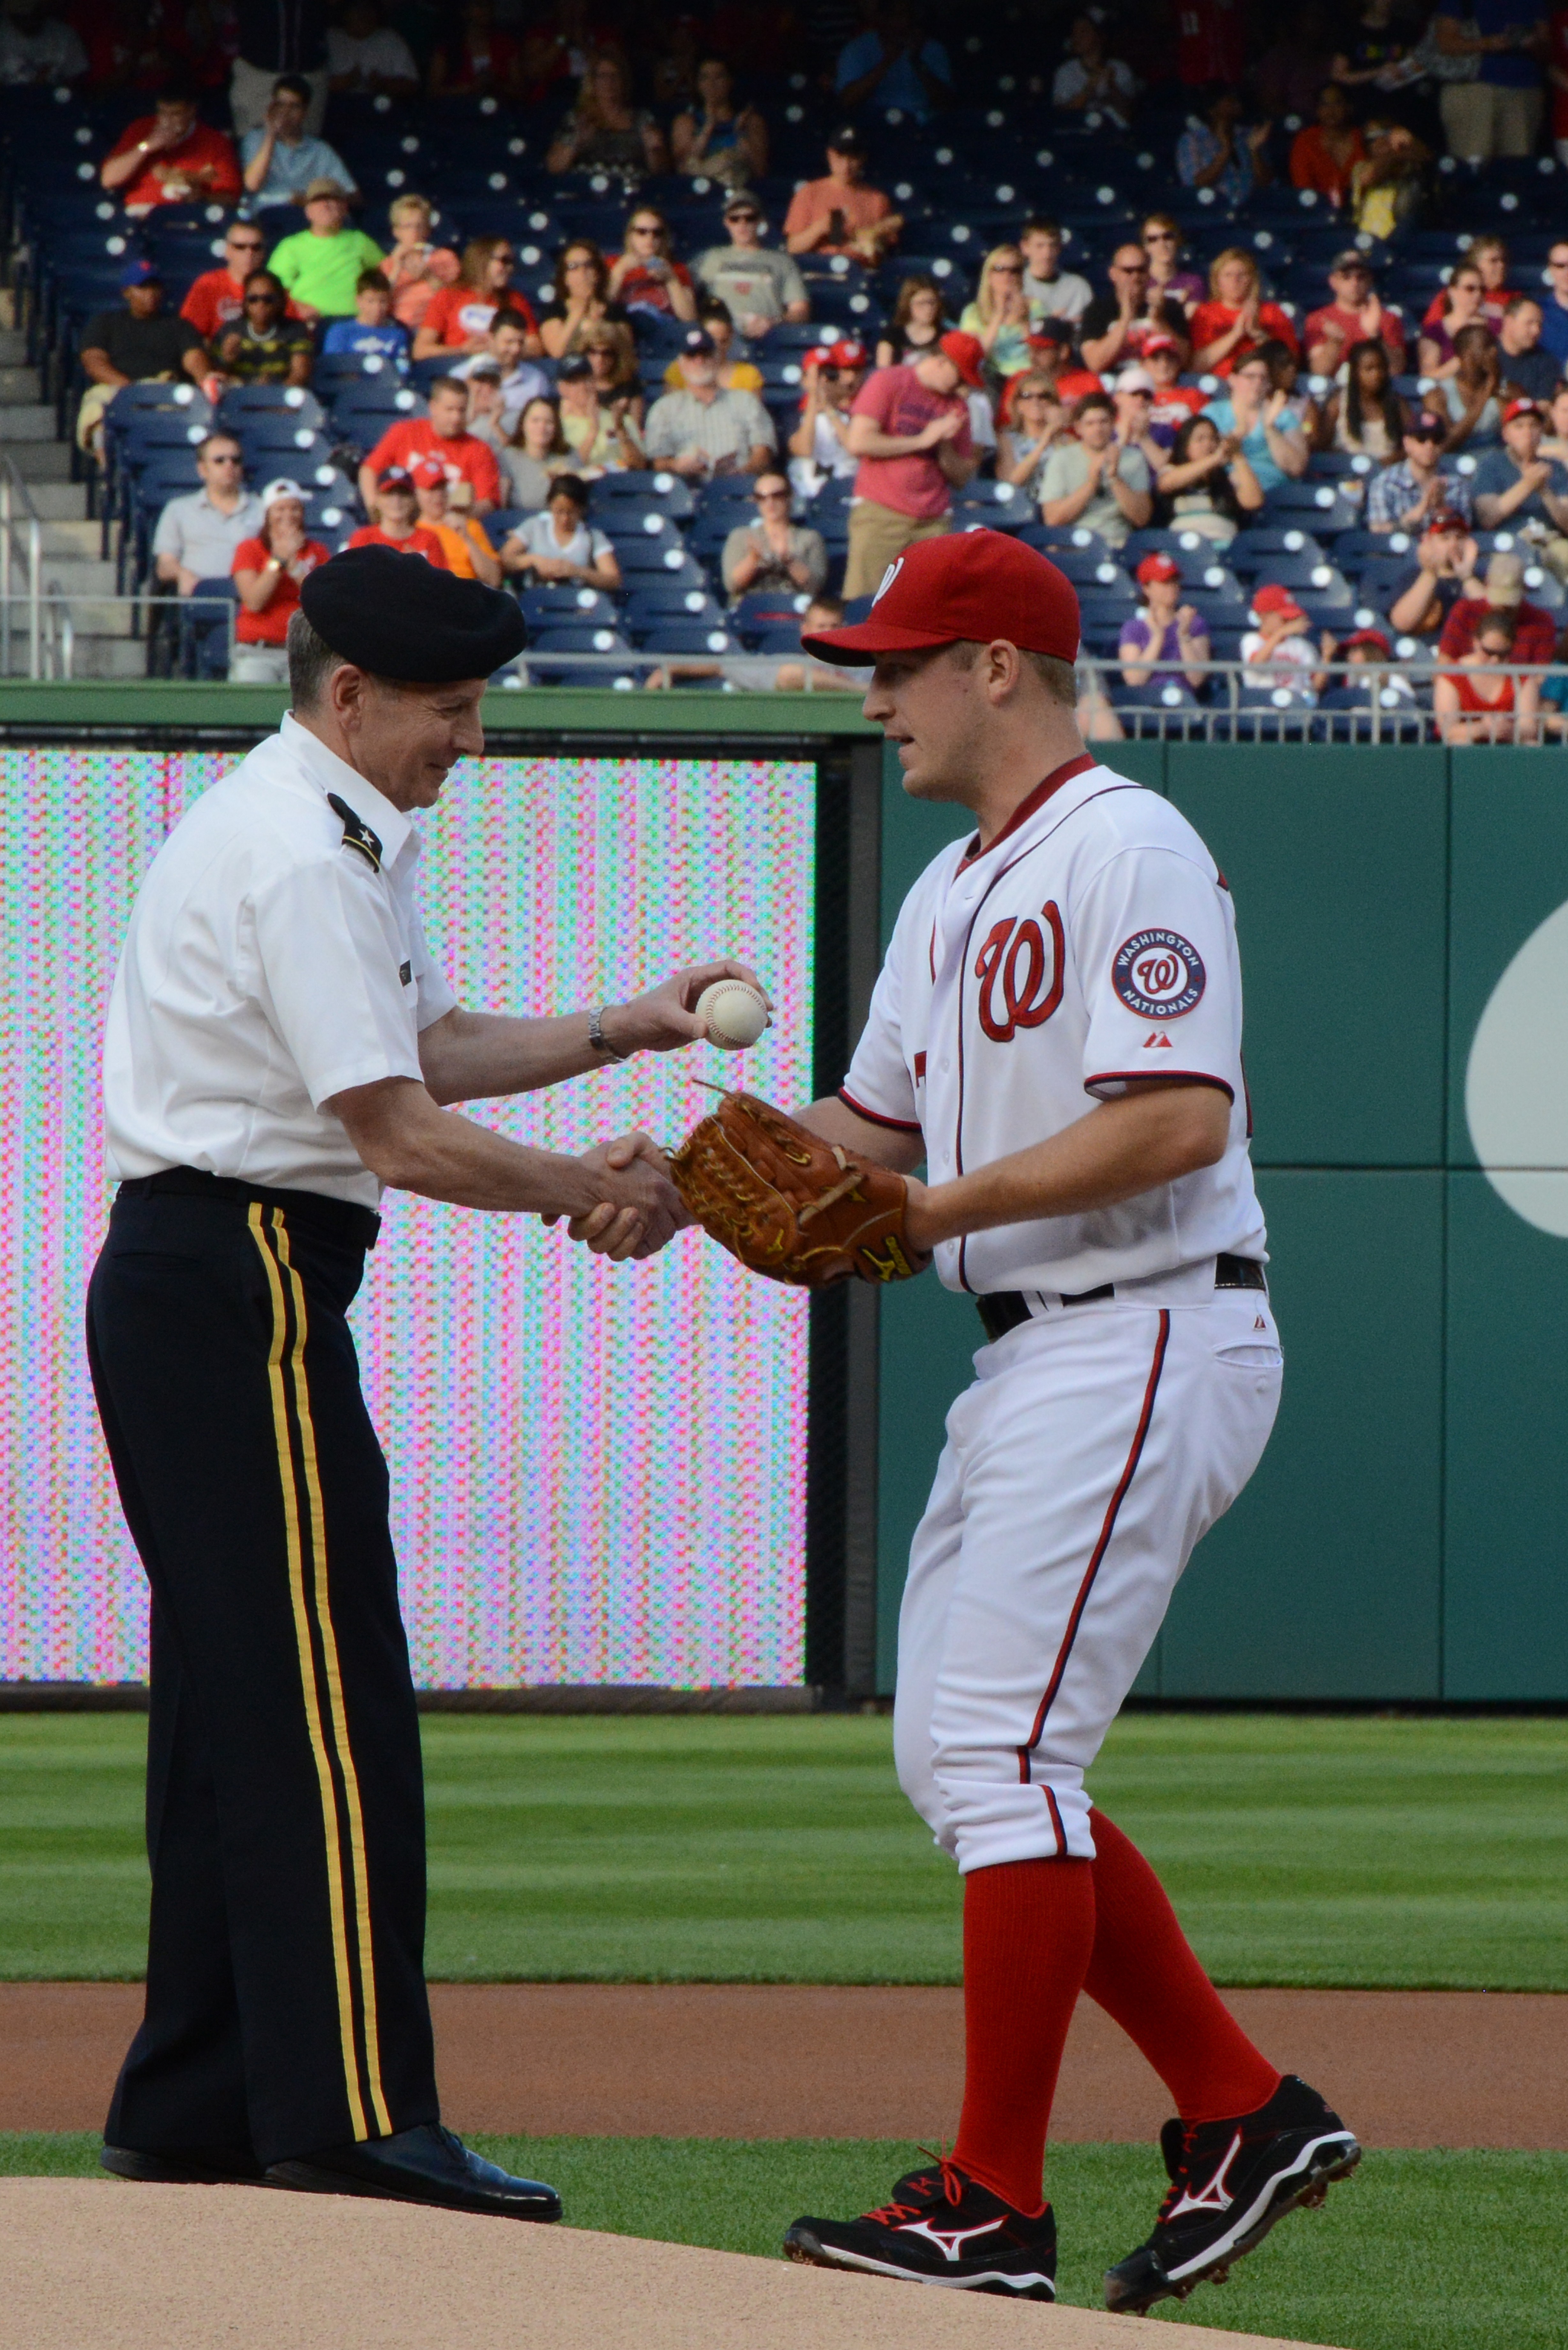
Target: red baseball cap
[[428, 470], [1448, 518], [971, 587], [1156, 567], [395, 477], [1159, 343], [966, 352], [1272, 598], [1520, 408], [1373, 637]]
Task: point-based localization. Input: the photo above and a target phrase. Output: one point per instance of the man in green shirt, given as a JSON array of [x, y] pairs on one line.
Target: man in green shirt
[[320, 265]]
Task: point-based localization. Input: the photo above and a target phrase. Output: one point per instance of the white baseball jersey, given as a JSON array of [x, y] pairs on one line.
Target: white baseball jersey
[[1092, 942]]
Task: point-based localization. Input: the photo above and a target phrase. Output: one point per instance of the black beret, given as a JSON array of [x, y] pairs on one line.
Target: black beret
[[398, 617]]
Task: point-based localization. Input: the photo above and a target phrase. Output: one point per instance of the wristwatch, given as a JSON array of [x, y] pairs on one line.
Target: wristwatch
[[599, 1040]]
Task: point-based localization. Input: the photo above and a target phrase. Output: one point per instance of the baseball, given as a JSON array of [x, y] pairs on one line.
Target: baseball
[[736, 1015]]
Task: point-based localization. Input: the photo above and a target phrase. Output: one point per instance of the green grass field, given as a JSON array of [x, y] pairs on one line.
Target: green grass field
[[1418, 2251], [1299, 1850]]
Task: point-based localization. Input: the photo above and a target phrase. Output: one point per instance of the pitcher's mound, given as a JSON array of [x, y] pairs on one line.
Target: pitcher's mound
[[117, 2267]]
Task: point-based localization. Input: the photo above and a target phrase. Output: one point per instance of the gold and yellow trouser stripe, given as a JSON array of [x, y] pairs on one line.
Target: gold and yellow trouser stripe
[[321, 1681]]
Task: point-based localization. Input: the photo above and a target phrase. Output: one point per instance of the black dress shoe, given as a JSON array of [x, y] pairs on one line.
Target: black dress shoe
[[426, 2165], [193, 2166]]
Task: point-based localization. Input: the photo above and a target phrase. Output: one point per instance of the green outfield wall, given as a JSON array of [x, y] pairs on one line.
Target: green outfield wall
[[1407, 1534]]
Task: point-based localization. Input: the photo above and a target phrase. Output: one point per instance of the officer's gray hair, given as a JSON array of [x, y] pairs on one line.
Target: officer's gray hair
[[1059, 677], [311, 662]]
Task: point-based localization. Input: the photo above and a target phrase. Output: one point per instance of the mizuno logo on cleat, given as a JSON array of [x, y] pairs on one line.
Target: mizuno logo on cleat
[[1214, 2197], [948, 2242]]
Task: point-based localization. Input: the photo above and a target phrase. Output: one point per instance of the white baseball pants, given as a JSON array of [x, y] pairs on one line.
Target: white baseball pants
[[1095, 1447]]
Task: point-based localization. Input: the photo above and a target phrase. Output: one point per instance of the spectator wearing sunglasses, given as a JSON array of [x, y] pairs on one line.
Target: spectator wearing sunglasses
[[1113, 329], [218, 297], [998, 317], [264, 345], [757, 286], [644, 277], [197, 535], [1554, 307], [772, 551], [458, 318], [1160, 237]]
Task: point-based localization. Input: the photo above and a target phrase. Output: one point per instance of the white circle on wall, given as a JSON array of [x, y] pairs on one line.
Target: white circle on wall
[[1515, 1102]]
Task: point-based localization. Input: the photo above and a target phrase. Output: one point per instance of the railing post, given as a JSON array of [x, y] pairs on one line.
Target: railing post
[[35, 569], [6, 529]]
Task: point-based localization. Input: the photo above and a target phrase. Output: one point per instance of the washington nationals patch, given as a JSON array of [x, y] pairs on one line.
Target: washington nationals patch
[[1158, 974]]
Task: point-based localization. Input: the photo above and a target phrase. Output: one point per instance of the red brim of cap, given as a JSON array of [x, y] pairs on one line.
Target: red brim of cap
[[852, 648]]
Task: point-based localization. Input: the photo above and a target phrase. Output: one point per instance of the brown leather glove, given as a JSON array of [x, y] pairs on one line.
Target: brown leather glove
[[790, 1205]]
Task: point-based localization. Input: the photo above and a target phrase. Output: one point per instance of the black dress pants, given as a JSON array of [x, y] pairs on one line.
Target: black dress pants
[[286, 1999]]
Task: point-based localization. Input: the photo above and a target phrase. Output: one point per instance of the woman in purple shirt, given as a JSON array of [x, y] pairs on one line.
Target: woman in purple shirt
[[1166, 642]]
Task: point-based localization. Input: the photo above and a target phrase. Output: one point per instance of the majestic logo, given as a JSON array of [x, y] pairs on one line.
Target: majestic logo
[[887, 578], [948, 2242], [1158, 974], [1020, 977], [1215, 2197]]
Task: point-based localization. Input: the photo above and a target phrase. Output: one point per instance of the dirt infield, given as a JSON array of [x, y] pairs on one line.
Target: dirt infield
[[188, 2268], [1406, 2068]]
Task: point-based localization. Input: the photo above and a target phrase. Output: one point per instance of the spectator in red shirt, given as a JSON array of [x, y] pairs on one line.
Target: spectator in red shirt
[[1235, 319], [217, 299], [267, 570], [841, 213], [442, 432], [1535, 633], [481, 62], [397, 523], [645, 276], [170, 157], [909, 427], [457, 319], [1052, 345], [1354, 316], [1174, 401], [1323, 154]]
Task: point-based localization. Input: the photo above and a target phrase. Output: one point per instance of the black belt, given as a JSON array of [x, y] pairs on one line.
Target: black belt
[[1002, 1310], [340, 1220]]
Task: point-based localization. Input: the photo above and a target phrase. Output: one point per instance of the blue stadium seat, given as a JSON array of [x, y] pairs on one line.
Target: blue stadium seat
[[549, 607], [243, 403], [1250, 549], [665, 634], [645, 493]]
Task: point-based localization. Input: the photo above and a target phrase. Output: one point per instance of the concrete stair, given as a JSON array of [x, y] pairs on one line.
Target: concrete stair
[[104, 646]]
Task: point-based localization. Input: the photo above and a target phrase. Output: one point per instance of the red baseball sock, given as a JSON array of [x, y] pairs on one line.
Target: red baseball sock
[[1143, 1973], [1028, 1930]]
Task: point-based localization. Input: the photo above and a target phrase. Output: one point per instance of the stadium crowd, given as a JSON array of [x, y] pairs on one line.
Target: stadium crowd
[[679, 325]]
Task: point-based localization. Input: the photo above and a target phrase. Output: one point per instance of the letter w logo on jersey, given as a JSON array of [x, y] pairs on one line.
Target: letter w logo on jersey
[[1015, 963]]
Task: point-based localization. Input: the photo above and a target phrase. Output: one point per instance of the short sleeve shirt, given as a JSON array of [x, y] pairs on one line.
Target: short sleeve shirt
[[201, 538], [269, 965], [1066, 469], [1496, 472], [899, 404], [458, 313], [758, 284], [141, 348], [726, 430], [464, 455], [1091, 945]]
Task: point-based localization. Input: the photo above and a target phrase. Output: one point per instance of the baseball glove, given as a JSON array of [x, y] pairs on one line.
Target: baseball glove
[[790, 1205]]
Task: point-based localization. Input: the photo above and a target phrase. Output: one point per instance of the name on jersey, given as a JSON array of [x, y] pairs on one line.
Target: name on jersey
[[1019, 968], [1158, 974]]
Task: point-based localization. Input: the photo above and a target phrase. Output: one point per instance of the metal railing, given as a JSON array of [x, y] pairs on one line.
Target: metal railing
[[1235, 701], [34, 617]]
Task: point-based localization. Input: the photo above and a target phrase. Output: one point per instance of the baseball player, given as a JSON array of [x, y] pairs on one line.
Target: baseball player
[[1057, 1033]]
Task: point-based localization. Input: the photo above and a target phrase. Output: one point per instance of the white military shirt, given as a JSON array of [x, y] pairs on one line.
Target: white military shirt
[[274, 958], [1093, 941]]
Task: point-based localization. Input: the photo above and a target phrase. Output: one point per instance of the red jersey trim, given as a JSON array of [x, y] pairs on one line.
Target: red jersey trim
[[1161, 1077], [1026, 808], [875, 1117], [1113, 1509]]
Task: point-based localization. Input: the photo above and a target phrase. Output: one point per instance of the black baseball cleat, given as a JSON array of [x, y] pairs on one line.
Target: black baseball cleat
[[424, 2165], [1230, 2181], [939, 2227], [191, 2165]]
